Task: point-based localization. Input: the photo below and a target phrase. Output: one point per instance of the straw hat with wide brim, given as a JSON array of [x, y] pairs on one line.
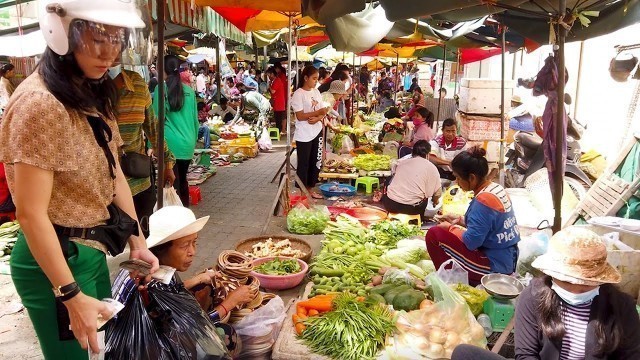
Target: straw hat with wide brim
[[578, 256], [171, 223], [516, 99]]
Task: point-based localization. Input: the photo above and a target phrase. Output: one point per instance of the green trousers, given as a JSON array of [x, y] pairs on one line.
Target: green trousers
[[89, 268]]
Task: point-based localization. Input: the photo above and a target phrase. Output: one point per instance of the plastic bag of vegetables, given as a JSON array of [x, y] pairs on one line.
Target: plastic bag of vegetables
[[436, 329], [398, 277], [475, 298], [301, 220]]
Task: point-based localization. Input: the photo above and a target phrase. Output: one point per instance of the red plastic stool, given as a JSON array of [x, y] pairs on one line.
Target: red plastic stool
[[194, 195]]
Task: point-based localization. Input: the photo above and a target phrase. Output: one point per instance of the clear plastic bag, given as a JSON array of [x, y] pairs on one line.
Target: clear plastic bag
[[456, 275], [264, 143], [435, 330], [263, 321], [170, 198], [398, 277], [301, 220], [347, 145], [530, 247]]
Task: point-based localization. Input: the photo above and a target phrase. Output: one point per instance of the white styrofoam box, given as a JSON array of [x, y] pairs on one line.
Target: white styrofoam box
[[482, 96], [480, 128], [491, 147]]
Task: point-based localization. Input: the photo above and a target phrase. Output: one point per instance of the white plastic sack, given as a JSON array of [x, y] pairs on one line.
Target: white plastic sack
[[359, 31], [170, 198], [456, 275], [264, 143], [265, 320]]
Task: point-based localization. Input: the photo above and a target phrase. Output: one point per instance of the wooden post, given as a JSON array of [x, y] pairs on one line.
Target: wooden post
[[502, 106], [218, 63], [161, 98], [577, 99], [444, 63], [559, 175]]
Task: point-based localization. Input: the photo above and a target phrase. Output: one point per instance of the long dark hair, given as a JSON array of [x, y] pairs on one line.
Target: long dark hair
[[175, 92], [6, 68], [66, 81], [607, 315], [341, 72]]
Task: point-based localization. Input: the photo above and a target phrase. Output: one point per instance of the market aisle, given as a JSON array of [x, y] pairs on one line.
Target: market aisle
[[238, 200]]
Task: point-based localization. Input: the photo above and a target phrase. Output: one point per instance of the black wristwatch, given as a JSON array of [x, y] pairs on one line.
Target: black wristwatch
[[66, 292]]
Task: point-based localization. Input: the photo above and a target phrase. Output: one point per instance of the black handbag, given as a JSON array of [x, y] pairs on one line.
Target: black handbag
[[135, 165], [113, 235]]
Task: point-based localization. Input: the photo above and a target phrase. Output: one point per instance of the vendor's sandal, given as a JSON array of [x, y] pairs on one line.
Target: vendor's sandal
[[316, 196]]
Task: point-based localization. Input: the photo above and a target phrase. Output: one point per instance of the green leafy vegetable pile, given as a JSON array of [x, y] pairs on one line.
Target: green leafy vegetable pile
[[371, 162], [279, 267], [301, 220], [389, 232]]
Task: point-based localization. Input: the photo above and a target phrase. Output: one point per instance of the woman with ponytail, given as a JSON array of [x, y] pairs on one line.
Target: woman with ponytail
[[181, 123], [486, 239]]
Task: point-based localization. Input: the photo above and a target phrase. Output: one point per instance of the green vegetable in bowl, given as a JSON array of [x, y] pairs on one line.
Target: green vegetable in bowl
[[279, 267]]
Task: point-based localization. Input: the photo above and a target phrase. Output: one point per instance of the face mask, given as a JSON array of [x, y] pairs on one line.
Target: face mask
[[417, 122], [575, 299], [114, 71]]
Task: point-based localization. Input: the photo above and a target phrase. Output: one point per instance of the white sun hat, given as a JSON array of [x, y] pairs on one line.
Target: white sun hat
[[173, 222]]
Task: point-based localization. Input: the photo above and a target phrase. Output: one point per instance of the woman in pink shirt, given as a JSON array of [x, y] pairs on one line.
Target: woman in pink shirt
[[423, 130]]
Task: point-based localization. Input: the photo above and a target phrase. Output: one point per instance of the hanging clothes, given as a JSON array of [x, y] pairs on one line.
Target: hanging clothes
[[546, 84]]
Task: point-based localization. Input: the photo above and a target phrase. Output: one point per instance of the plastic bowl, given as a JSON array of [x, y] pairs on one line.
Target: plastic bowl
[[280, 282], [324, 188]]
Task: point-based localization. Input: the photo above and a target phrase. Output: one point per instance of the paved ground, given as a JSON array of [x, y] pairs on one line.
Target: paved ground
[[238, 199]]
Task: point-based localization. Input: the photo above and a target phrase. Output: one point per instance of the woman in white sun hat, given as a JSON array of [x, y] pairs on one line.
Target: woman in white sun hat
[[173, 236], [574, 311]]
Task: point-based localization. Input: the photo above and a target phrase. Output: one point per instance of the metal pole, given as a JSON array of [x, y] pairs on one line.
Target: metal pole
[[502, 105], [515, 62], [455, 86], [480, 69], [559, 173], [575, 102], [395, 91], [218, 64], [360, 77], [353, 89], [264, 58], [161, 98], [444, 62], [289, 81]]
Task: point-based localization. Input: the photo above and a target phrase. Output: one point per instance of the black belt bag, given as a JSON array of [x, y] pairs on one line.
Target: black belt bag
[[135, 165], [113, 235]]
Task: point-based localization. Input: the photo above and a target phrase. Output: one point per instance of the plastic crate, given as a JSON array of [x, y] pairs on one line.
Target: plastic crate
[[500, 312]]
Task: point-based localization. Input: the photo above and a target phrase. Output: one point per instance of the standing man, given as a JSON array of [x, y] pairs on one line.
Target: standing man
[[137, 120], [201, 83]]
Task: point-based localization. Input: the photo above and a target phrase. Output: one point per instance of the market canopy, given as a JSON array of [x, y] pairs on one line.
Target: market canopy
[[250, 19], [273, 5]]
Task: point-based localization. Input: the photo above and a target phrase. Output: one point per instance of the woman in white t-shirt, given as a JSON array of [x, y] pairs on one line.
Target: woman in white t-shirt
[[310, 110]]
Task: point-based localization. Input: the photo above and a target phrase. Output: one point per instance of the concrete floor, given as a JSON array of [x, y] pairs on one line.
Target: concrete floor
[[238, 199]]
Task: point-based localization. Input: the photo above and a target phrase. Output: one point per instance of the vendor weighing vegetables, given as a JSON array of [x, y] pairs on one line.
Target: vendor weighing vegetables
[[486, 239]]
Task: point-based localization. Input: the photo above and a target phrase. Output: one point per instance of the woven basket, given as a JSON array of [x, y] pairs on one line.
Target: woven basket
[[297, 244]]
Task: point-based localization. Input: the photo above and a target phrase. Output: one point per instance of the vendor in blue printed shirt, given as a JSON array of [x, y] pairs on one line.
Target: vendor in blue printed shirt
[[484, 240]]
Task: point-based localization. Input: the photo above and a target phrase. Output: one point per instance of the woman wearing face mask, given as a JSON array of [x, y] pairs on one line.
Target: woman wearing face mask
[[574, 311], [60, 142], [422, 130], [486, 239]]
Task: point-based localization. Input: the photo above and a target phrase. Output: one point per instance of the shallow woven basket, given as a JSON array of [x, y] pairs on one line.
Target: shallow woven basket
[[297, 244]]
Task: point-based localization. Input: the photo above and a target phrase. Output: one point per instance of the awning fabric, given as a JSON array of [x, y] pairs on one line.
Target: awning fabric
[[249, 19], [204, 19], [274, 5]]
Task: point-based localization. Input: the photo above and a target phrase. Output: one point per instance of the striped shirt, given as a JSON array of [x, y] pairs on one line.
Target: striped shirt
[[575, 319], [135, 117]]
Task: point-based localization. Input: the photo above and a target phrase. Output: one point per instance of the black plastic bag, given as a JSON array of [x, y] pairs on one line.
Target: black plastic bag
[[182, 326], [132, 334]]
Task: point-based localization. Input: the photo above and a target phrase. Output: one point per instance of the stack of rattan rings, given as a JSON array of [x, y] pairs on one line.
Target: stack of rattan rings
[[234, 270]]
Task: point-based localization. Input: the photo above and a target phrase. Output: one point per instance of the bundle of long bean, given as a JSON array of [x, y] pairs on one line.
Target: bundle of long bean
[[354, 330]]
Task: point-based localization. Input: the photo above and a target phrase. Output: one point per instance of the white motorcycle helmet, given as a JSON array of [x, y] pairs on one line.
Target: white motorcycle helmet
[[56, 17]]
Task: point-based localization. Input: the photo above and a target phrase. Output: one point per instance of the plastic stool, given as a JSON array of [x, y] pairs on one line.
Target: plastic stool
[[406, 218], [274, 134], [368, 182], [194, 195]]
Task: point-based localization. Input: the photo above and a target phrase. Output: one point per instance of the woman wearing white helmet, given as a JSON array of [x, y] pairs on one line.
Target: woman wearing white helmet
[[60, 141]]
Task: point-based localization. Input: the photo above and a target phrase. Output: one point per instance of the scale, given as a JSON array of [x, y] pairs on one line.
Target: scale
[[500, 307]]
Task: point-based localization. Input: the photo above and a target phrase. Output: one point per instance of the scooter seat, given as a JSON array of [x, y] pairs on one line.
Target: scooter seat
[[529, 140]]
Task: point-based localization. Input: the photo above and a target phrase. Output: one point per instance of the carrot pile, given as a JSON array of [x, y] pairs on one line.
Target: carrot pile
[[314, 306]]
